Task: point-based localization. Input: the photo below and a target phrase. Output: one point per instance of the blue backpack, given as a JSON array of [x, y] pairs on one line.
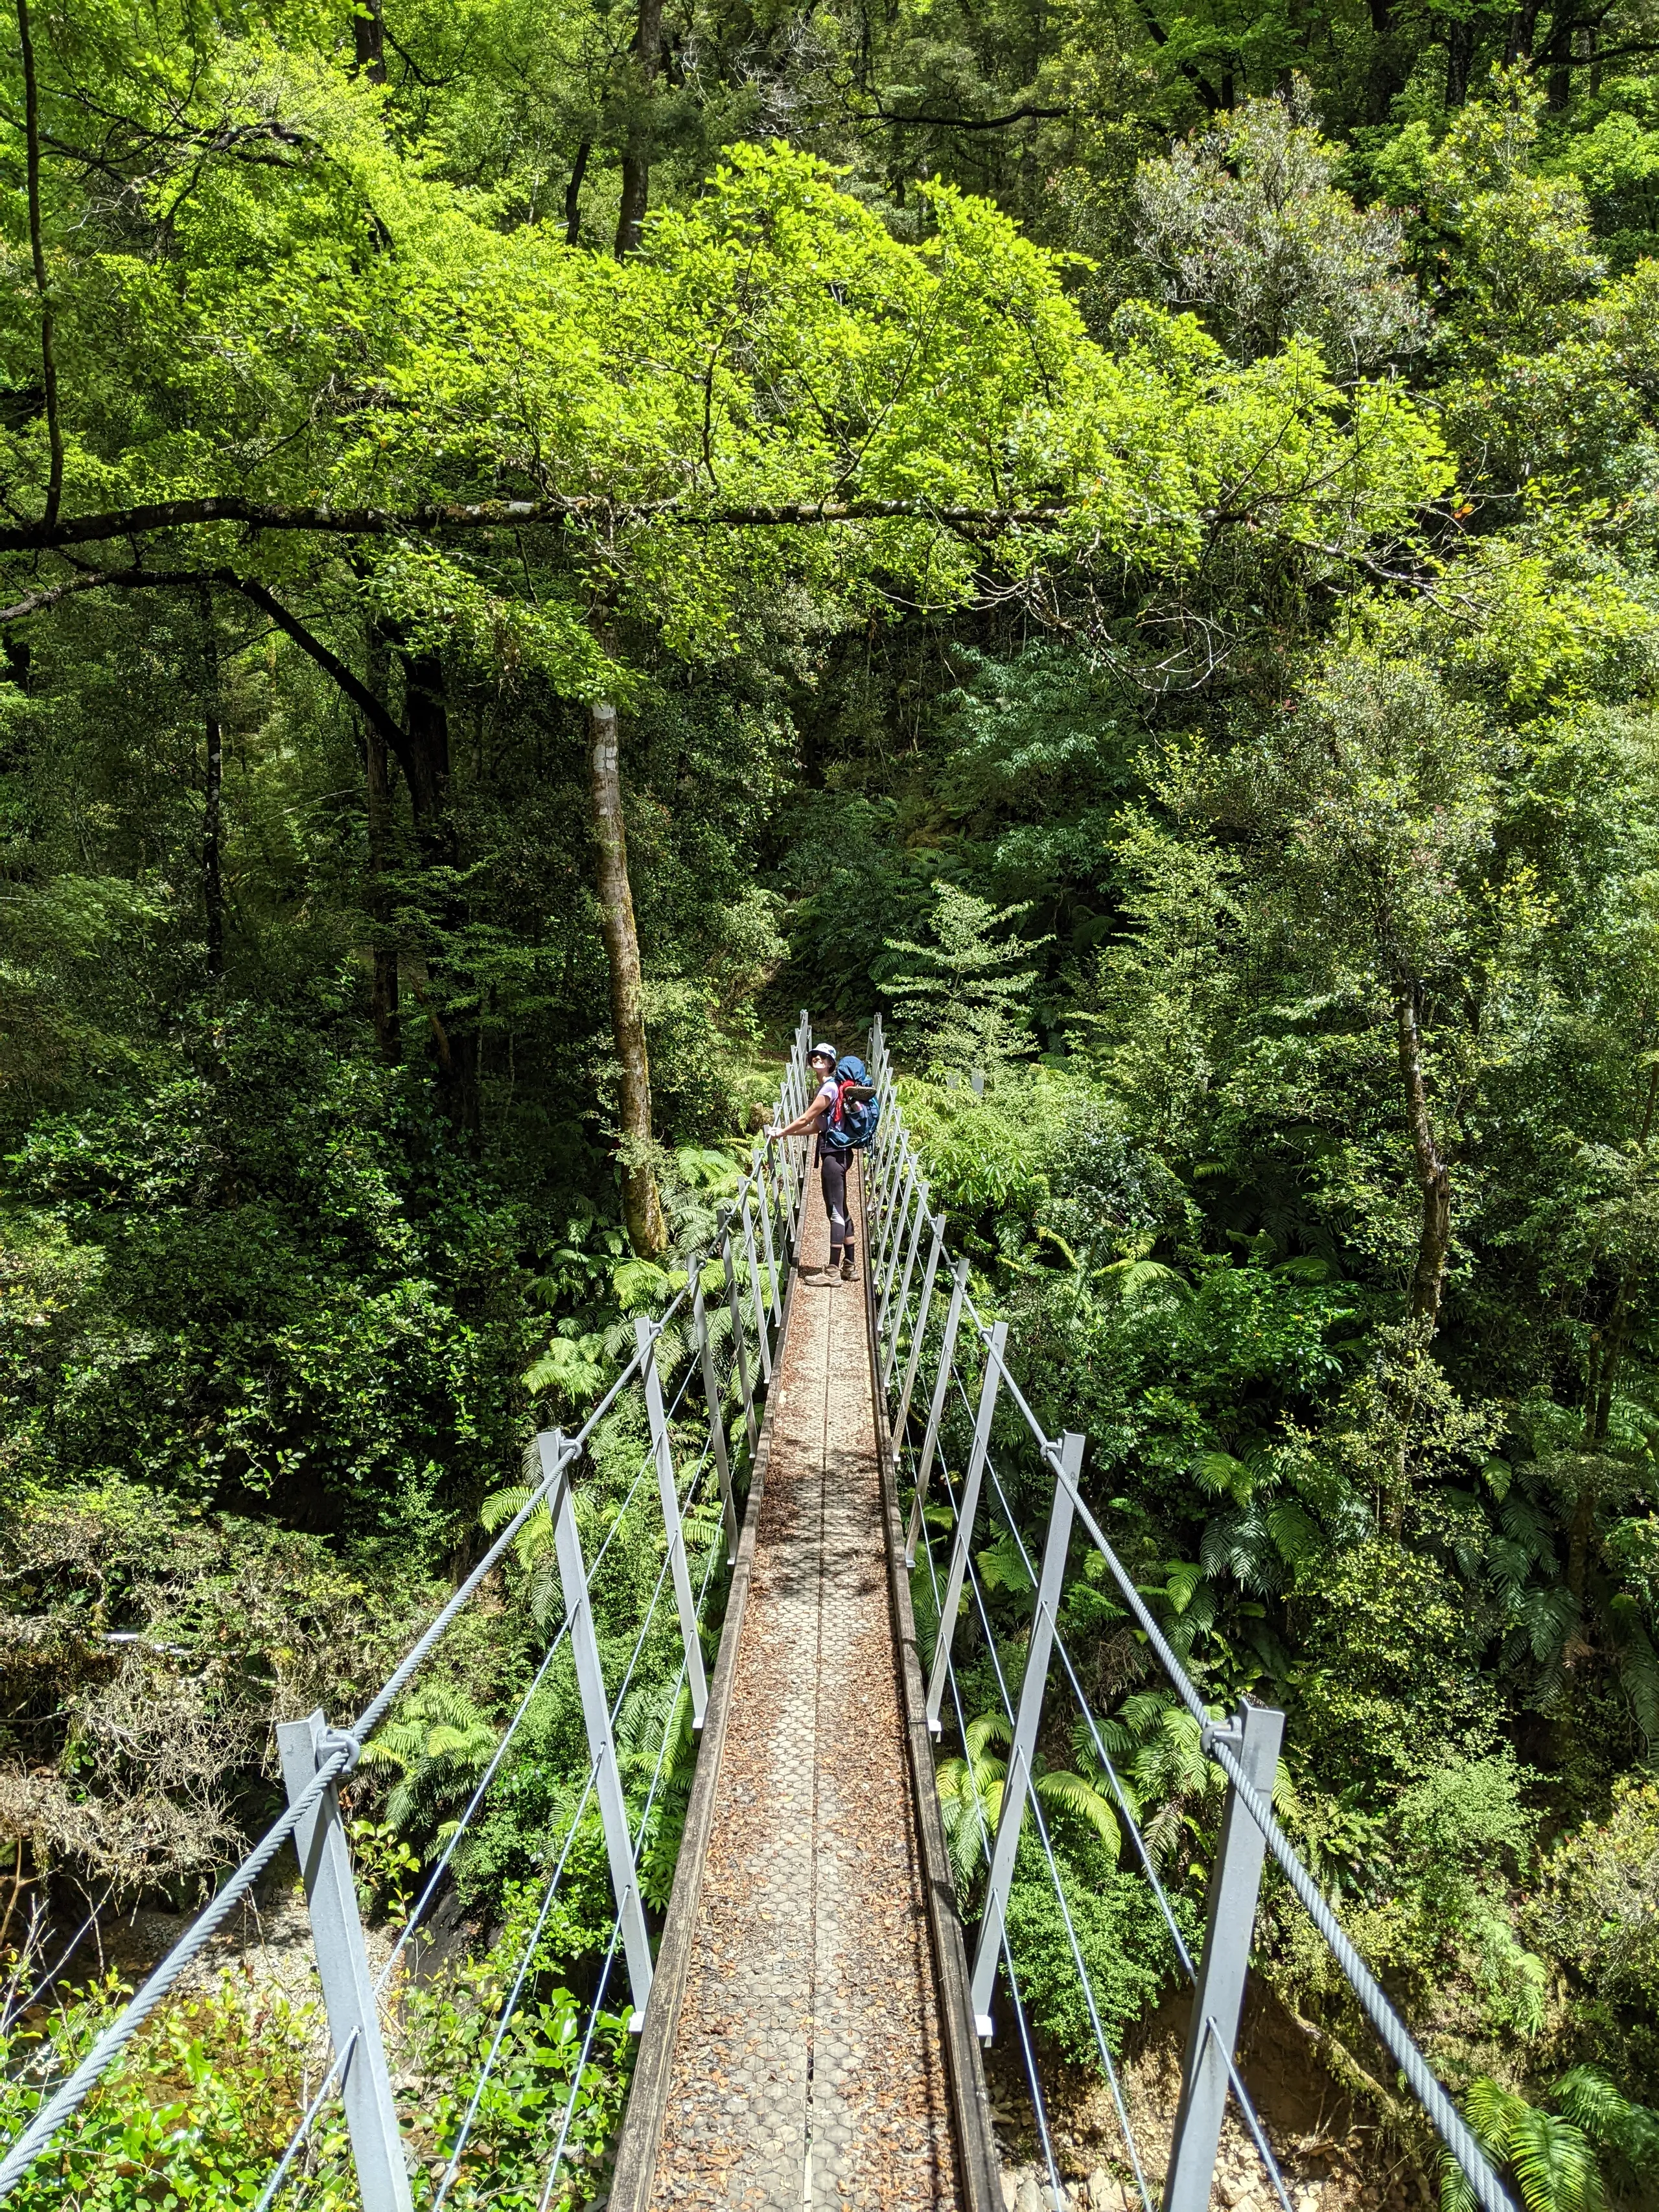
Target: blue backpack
[[852, 1125]]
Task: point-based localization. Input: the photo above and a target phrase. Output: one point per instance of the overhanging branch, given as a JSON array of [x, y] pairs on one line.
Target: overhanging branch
[[43, 537]]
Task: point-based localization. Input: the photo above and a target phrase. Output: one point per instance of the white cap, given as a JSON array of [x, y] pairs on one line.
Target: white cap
[[824, 1052]]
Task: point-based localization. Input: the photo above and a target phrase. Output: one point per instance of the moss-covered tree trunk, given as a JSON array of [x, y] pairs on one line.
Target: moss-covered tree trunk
[[643, 1212], [1433, 1175], [636, 157]]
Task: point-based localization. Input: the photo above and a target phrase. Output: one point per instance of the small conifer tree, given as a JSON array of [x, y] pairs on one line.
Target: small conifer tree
[[961, 998]]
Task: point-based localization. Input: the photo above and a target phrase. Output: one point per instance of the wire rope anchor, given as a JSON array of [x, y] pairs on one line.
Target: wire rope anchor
[[337, 1934], [1218, 1995]]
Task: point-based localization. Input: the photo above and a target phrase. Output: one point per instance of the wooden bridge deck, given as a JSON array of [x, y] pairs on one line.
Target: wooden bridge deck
[[806, 2065]]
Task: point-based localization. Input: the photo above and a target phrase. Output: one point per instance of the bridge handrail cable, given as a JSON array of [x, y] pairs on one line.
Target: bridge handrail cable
[[770, 1195], [894, 1182]]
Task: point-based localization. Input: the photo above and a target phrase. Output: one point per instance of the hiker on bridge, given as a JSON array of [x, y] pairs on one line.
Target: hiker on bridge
[[836, 1117]]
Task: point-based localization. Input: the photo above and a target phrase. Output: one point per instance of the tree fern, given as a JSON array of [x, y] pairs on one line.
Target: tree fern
[[1637, 1661], [439, 1745], [970, 1790]]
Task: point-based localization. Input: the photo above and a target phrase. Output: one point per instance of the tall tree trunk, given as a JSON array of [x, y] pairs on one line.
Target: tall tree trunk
[[1558, 53], [1384, 77], [573, 194], [383, 994], [1460, 60], [641, 1205], [636, 157], [38, 250], [213, 882], [1433, 1177], [369, 30], [426, 721], [1523, 29]]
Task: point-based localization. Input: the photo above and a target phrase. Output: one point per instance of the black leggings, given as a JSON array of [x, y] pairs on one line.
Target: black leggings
[[832, 1170]]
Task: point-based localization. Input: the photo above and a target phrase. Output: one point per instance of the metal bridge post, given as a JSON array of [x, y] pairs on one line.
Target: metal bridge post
[[966, 1507], [947, 1353], [895, 1247], [1032, 1686], [763, 1335], [711, 1391], [890, 1357], [775, 1303], [1218, 1996], [800, 1162], [595, 1716], [662, 1451], [740, 1342], [925, 1306], [337, 1934], [904, 1172]]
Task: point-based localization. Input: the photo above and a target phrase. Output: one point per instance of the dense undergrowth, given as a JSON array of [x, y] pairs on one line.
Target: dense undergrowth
[[1243, 747]]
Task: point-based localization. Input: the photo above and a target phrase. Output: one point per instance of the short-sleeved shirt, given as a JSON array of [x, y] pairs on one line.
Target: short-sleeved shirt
[[829, 1091]]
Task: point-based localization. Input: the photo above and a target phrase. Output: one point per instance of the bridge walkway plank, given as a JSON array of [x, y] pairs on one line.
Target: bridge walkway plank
[[807, 2068]]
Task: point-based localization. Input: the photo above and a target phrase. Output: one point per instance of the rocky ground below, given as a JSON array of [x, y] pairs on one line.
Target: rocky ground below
[[1330, 2157]]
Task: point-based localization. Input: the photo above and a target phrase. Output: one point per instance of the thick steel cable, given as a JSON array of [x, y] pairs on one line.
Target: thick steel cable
[[461, 1826], [342, 1754], [604, 1976], [453, 2164], [574, 1447], [1395, 2038], [1246, 2107], [1251, 2120], [1047, 1846], [1033, 2079], [51, 2116], [308, 2118]]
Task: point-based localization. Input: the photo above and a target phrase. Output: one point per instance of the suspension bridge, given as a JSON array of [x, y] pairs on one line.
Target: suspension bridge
[[810, 2015]]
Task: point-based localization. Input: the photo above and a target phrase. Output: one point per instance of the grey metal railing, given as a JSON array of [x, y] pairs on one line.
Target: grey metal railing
[[906, 1243], [727, 1356]]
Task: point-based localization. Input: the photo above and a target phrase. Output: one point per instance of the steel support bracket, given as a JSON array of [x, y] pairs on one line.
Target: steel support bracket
[[337, 1934], [1033, 1684], [1218, 1995]]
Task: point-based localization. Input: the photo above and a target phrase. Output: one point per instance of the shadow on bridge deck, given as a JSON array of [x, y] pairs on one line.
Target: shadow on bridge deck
[[808, 2040]]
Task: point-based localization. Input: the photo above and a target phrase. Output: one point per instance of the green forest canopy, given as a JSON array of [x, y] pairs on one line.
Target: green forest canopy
[[541, 536]]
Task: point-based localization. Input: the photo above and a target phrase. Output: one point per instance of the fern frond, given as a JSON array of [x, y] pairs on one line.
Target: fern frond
[[1081, 1797]]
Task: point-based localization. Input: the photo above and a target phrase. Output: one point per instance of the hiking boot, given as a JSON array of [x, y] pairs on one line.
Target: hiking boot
[[849, 1269], [817, 1278]]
